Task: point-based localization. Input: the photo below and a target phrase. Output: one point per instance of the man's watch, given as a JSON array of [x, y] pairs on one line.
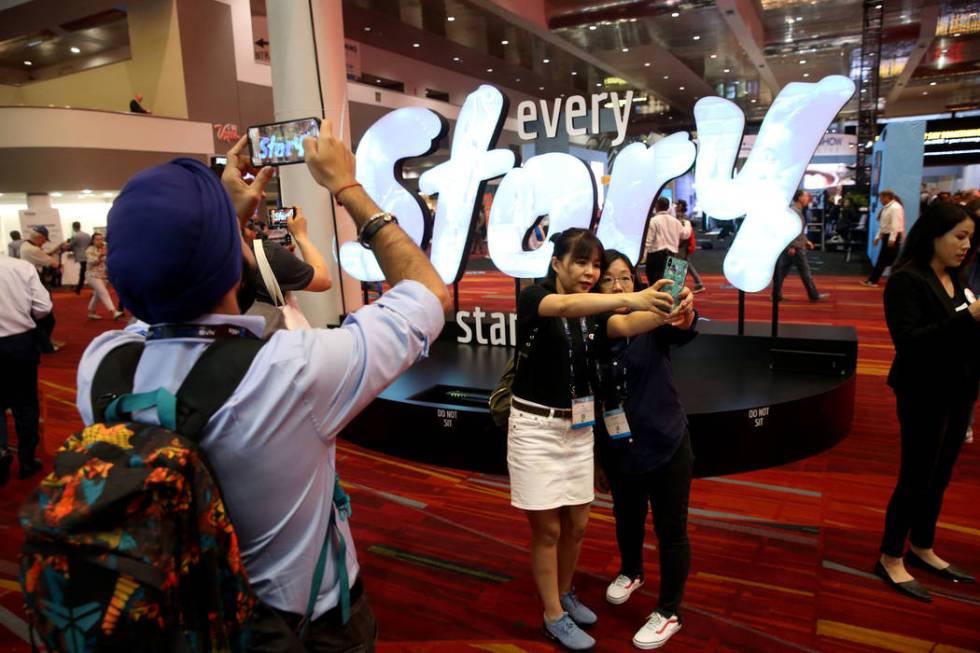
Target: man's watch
[[376, 223]]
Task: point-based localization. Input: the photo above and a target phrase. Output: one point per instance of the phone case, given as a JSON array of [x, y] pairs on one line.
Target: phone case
[[676, 271]]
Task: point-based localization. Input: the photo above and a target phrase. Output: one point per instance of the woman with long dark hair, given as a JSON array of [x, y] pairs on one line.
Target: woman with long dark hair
[[934, 323], [644, 449], [549, 436]]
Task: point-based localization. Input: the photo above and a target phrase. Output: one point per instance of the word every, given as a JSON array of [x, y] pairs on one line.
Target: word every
[[502, 327], [561, 186], [575, 107]]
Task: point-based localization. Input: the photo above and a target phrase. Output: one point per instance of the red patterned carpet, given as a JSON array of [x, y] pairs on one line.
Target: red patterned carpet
[[781, 557]]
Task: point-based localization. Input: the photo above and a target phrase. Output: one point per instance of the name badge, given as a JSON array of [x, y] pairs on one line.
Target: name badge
[[583, 412], [617, 425]]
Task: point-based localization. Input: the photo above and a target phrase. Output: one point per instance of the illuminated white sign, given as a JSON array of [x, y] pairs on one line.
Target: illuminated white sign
[[502, 327], [404, 133], [575, 107], [559, 186], [638, 174], [762, 190], [459, 180]]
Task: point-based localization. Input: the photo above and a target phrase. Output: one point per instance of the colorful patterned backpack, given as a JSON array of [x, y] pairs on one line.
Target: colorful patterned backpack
[[128, 545]]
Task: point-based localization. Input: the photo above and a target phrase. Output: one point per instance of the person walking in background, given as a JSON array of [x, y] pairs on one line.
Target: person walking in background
[[664, 235], [687, 247], [78, 244], [33, 252], [891, 228], [23, 302], [935, 326], [795, 254], [98, 279], [13, 247]]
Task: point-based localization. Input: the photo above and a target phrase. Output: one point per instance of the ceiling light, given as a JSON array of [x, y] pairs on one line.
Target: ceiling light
[[799, 18], [541, 88], [489, 70], [674, 15], [599, 84], [666, 76], [626, 49], [450, 18], [86, 191], [455, 58], [574, 72], [956, 36], [789, 20], [546, 61], [593, 27], [505, 42], [416, 45], [696, 37], [932, 83], [681, 88], [752, 100], [518, 79], [367, 29], [806, 74], [727, 70], [646, 64], [28, 63], [106, 194], [55, 194], [714, 56], [632, 20], [75, 50], [802, 61], [925, 92]]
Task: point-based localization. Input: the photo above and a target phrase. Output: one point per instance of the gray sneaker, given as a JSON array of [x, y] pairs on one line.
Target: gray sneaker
[[578, 612], [566, 633]]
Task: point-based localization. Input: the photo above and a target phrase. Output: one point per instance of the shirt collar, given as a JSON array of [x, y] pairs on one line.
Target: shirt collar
[[254, 323]]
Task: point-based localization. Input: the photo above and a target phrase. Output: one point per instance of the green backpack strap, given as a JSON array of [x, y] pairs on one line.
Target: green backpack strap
[[341, 507]]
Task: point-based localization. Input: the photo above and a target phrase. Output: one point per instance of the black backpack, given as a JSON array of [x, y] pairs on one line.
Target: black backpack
[[128, 544]]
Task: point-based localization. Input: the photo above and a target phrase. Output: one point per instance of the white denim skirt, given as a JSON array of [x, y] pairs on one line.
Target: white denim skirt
[[550, 463]]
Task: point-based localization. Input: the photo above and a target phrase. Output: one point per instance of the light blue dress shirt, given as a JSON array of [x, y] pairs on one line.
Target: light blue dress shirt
[[272, 445]]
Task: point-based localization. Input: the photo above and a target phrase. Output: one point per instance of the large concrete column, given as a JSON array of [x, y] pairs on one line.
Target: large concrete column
[[309, 78]]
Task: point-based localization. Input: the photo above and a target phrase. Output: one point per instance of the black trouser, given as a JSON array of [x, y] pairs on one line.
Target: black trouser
[[666, 490], [45, 327], [886, 257], [19, 360], [933, 428], [686, 255], [274, 631], [656, 265], [83, 264], [802, 263]]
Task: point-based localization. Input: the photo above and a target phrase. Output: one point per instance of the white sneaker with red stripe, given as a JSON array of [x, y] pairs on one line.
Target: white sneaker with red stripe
[[657, 630], [620, 589]]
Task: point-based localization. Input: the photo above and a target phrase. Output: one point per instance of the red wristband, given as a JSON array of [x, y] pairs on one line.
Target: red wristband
[[340, 190]]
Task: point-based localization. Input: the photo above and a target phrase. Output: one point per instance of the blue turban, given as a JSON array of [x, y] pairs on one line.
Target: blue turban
[[174, 242]]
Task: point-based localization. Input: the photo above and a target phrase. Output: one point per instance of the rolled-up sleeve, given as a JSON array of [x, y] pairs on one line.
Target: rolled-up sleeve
[[353, 364]]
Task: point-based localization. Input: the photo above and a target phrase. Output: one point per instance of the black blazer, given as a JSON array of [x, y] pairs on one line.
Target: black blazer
[[936, 347]]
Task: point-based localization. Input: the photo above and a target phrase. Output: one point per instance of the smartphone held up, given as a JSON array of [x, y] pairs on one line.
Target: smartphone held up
[[676, 271], [278, 218], [280, 143]]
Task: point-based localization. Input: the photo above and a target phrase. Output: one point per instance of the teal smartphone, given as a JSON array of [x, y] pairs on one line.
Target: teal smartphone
[[676, 271]]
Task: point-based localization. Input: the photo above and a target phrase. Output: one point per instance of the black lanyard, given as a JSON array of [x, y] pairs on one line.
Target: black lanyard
[[571, 352], [209, 331]]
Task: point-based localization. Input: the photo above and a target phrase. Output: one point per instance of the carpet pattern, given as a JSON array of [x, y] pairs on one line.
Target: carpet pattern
[[781, 557]]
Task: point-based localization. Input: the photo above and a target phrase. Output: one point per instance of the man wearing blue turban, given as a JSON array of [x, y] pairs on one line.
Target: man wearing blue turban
[[176, 259]]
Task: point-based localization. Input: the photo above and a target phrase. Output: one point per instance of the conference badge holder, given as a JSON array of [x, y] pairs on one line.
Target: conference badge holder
[[617, 425], [583, 412]]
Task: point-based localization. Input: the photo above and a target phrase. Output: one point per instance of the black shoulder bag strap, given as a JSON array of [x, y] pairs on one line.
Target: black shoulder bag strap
[[211, 381], [114, 377]]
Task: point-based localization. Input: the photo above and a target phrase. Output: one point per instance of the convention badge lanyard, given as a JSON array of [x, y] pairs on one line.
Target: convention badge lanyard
[[216, 331], [583, 408], [617, 426]]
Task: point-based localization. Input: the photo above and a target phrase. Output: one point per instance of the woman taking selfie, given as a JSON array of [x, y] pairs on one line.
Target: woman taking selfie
[[549, 436], [934, 323], [644, 449]]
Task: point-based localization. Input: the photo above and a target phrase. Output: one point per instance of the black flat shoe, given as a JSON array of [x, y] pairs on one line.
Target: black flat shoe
[[949, 573], [911, 588]]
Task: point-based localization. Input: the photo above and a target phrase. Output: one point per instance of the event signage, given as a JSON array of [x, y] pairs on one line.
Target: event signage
[[559, 187]]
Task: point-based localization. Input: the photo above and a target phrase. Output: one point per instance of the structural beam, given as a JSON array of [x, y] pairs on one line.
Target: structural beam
[[744, 18], [928, 19]]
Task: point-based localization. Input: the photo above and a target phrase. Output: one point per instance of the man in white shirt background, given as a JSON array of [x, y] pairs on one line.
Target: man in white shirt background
[[891, 229], [23, 301], [34, 252], [664, 234], [795, 254]]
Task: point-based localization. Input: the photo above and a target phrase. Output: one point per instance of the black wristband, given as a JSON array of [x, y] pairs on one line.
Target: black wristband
[[377, 222]]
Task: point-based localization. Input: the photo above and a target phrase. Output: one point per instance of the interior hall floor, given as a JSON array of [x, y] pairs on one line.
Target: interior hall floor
[[782, 558]]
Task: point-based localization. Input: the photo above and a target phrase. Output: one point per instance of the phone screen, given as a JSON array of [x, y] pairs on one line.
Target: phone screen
[[280, 143], [279, 217], [676, 271]]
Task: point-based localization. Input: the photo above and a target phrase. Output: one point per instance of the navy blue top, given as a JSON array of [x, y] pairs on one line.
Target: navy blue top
[[656, 417]]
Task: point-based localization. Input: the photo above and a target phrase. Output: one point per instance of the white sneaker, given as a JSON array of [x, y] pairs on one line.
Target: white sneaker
[[657, 630], [620, 589]]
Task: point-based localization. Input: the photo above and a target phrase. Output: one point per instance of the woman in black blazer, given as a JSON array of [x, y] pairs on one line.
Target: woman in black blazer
[[934, 321]]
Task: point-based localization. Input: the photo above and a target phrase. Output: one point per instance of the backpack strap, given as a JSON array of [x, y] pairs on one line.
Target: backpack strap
[[114, 377], [211, 381]]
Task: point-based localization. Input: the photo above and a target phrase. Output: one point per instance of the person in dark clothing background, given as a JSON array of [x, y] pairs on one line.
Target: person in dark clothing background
[[650, 464], [934, 321], [136, 105]]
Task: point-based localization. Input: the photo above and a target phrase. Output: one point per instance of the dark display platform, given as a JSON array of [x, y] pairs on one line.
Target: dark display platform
[[752, 401]]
